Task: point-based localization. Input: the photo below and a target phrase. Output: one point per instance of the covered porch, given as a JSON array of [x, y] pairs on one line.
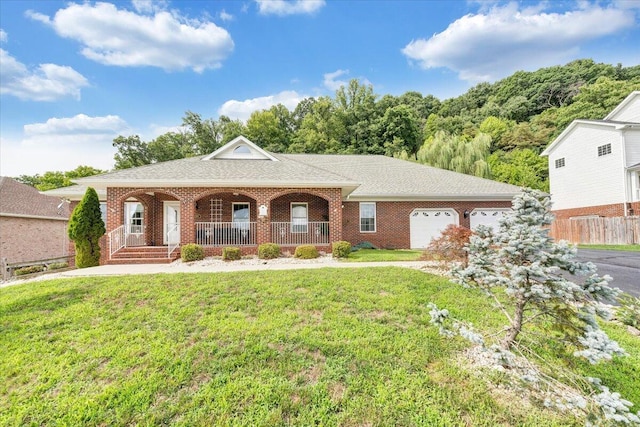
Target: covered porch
[[156, 222]]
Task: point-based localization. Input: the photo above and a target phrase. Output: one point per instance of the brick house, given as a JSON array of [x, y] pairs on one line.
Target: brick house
[[594, 165], [241, 195], [32, 226]]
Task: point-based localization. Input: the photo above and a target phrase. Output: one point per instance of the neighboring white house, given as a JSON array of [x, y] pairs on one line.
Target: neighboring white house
[[594, 165]]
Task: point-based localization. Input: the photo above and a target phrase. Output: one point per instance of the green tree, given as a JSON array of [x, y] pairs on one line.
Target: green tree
[[85, 229], [401, 131], [521, 167], [267, 130], [131, 152], [56, 179], [455, 153]]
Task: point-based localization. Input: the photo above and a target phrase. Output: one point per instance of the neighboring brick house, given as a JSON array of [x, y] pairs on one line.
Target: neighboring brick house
[[241, 195], [32, 226], [594, 165]]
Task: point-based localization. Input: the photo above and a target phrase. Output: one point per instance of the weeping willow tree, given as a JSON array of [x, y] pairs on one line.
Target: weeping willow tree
[[455, 153]]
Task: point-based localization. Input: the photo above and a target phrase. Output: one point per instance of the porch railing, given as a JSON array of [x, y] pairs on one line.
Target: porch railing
[[300, 233], [226, 233], [117, 240], [173, 239]]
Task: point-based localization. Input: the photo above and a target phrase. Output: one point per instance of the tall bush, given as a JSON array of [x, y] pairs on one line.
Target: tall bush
[[85, 229]]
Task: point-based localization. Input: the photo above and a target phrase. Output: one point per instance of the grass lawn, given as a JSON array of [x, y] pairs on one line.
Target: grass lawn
[[331, 347], [373, 255], [632, 248]]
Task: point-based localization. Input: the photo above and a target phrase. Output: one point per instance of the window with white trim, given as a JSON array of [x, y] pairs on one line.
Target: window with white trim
[[367, 217], [603, 150], [299, 217], [241, 215], [560, 163], [103, 212], [134, 217]]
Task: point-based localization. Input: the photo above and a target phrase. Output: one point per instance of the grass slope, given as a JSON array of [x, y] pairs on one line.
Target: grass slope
[[378, 255], [326, 347]]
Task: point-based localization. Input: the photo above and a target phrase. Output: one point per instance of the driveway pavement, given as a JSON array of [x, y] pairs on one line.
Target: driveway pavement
[[622, 266]]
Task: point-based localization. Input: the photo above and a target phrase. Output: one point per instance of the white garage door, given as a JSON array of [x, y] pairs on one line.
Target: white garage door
[[488, 217], [428, 223]]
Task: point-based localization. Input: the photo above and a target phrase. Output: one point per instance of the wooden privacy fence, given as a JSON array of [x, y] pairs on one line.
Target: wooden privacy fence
[[602, 231]]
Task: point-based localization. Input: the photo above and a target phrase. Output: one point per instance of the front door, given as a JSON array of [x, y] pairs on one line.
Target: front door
[[171, 223]]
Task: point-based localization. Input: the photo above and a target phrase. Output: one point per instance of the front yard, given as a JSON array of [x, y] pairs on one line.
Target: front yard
[[348, 347]]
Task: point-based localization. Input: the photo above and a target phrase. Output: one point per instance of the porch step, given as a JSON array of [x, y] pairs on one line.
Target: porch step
[[120, 261], [143, 255]]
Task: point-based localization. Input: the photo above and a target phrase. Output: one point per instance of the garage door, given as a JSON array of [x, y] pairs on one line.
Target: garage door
[[428, 223], [488, 217]]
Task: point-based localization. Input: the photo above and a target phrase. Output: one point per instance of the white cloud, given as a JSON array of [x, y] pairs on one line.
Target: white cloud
[[501, 40], [289, 7], [330, 81], [243, 109], [3, 36], [62, 144], [167, 40], [225, 16], [149, 6], [80, 124], [46, 82]]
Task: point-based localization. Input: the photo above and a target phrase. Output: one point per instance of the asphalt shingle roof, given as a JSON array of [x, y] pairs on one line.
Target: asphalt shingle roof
[[21, 199], [382, 176], [367, 175]]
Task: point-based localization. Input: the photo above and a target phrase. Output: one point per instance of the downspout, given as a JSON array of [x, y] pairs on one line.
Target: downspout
[[624, 172]]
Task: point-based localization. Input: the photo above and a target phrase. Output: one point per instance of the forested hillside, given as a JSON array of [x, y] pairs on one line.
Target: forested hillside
[[494, 130]]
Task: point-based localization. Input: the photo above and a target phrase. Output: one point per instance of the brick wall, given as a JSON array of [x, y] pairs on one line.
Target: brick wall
[[323, 202], [392, 220], [613, 210], [31, 239]]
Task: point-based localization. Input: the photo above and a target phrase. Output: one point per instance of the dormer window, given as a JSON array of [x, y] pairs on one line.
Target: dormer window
[[242, 149]]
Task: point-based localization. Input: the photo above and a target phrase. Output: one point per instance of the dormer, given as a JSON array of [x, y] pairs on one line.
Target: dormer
[[240, 148]]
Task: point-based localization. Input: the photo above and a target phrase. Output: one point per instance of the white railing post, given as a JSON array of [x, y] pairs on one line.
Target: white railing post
[[226, 233], [300, 233], [117, 240], [172, 239]]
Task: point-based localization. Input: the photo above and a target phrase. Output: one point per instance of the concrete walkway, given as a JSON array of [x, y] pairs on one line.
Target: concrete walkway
[[220, 267]]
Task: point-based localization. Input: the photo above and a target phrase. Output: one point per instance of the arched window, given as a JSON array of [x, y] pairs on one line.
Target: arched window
[[241, 149]]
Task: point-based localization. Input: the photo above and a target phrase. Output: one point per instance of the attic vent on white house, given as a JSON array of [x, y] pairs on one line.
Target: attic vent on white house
[[603, 150], [560, 163], [242, 149]]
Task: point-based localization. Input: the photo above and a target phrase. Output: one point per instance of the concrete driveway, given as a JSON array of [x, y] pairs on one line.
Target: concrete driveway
[[624, 267]]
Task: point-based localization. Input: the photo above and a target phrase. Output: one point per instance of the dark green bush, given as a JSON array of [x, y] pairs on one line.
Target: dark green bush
[[191, 252], [231, 253], [57, 266], [306, 252], [364, 245], [29, 270], [341, 249], [85, 229], [268, 251]]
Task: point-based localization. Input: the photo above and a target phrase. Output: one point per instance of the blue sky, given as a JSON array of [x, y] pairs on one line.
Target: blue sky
[[75, 75]]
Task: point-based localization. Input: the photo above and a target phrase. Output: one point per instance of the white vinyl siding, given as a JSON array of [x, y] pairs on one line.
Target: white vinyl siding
[[367, 217], [630, 113], [587, 179], [632, 144]]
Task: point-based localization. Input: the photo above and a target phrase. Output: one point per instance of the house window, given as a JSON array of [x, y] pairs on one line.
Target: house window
[[215, 212], [103, 212], [299, 217], [241, 216], [134, 217], [367, 217], [560, 163], [603, 150]]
